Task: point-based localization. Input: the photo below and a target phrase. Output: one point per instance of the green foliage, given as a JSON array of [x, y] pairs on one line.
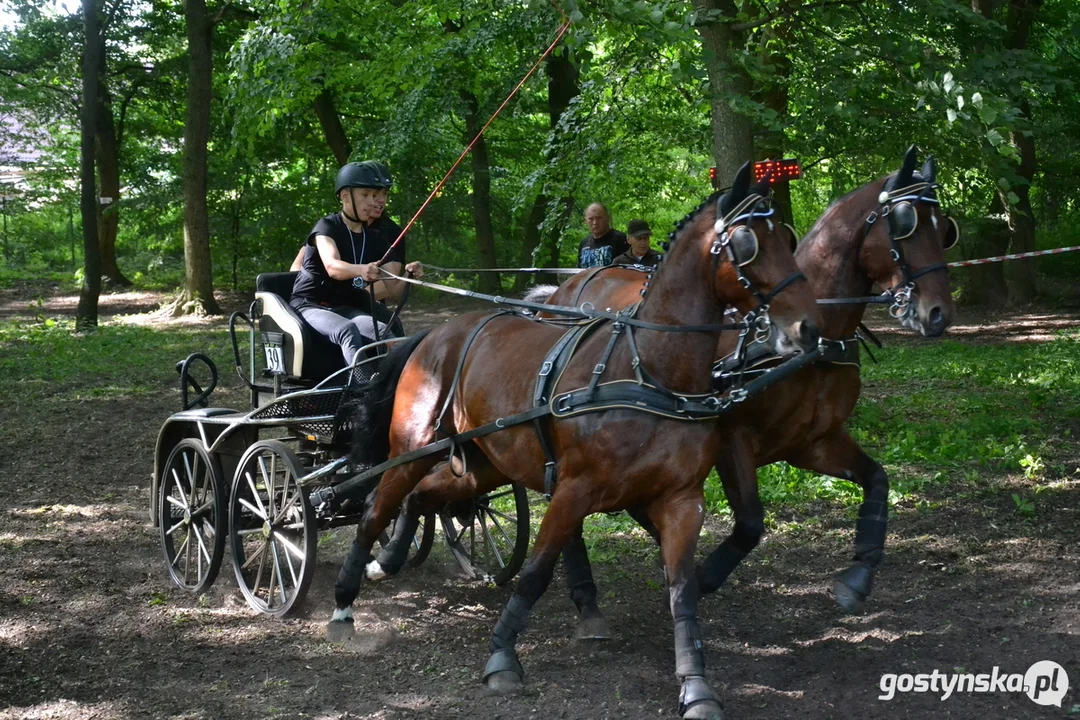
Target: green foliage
[[943, 411], [846, 87]]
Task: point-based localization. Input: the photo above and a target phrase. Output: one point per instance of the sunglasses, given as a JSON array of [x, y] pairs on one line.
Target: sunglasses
[[903, 220]]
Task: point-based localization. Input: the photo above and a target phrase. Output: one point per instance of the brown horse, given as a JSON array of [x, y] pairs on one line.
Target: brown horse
[[478, 368], [802, 419]]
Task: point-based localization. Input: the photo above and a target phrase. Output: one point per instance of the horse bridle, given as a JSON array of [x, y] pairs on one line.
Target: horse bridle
[[726, 228], [887, 201]]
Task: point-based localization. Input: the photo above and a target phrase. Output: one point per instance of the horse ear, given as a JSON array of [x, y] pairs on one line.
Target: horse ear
[[903, 178], [929, 169], [741, 186], [738, 190]]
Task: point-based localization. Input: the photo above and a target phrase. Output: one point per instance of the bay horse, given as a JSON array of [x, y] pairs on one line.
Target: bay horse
[[479, 367], [800, 420]]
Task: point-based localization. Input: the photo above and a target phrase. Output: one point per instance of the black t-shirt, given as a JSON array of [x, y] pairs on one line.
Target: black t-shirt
[[594, 252], [313, 284]]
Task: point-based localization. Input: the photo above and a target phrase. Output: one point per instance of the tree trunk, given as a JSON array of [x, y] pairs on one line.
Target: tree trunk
[[481, 194], [198, 293], [87, 315], [1021, 274], [108, 159], [563, 87], [732, 131], [771, 145], [330, 121], [983, 284]]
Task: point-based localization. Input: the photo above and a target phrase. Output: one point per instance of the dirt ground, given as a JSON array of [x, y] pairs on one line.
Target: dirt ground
[[90, 626]]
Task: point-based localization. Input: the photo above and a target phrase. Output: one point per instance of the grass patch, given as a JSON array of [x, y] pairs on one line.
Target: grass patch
[[943, 412], [45, 359]]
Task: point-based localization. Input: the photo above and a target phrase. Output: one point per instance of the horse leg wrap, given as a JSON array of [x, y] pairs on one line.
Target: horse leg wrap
[[392, 557], [870, 532], [689, 658], [504, 660], [579, 580], [351, 575], [510, 624], [712, 573], [695, 690]]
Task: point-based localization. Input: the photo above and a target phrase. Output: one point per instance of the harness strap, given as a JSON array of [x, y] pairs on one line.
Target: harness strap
[[461, 366], [781, 286], [600, 367], [550, 369]]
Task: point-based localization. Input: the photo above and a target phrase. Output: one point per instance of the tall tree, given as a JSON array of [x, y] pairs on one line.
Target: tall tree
[[481, 193], [87, 314], [332, 129], [731, 129], [198, 293], [1022, 287]]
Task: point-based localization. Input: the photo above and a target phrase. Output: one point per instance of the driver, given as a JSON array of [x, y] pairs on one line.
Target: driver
[[338, 274]]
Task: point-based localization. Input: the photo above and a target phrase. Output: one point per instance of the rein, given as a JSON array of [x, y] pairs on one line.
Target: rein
[[586, 311]]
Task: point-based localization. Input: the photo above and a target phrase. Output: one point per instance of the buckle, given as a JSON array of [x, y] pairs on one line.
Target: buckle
[[562, 403], [599, 369], [738, 395], [545, 369]]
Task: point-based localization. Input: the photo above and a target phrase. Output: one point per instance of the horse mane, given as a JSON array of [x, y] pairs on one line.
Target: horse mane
[[826, 218], [726, 204]]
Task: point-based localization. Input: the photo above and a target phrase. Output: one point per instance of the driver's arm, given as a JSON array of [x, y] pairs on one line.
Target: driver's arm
[[299, 261], [393, 289]]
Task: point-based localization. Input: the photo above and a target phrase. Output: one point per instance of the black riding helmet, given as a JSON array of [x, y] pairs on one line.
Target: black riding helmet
[[367, 174]]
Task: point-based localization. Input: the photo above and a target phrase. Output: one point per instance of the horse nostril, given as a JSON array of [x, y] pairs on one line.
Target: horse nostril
[[935, 321], [808, 334]]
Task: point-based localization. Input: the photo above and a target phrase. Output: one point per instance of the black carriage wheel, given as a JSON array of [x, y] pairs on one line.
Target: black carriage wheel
[[490, 537], [191, 516], [421, 543], [272, 529]]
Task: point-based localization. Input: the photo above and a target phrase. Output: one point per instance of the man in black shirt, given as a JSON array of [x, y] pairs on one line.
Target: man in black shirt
[[338, 270], [603, 242], [639, 253]]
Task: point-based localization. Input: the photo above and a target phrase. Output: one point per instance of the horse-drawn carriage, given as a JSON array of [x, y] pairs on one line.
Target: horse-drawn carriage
[[247, 475]]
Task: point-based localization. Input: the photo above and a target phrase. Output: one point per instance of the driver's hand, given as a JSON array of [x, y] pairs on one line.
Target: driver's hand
[[370, 272], [415, 270]]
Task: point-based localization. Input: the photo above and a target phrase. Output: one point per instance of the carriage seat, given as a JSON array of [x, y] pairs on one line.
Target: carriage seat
[[308, 355]]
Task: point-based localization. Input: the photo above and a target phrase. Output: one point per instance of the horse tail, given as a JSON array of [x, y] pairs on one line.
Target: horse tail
[[370, 407], [540, 293]]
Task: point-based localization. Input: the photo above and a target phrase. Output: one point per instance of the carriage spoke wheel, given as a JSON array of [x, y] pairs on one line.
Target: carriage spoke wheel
[[489, 535], [191, 516], [272, 529], [421, 542]]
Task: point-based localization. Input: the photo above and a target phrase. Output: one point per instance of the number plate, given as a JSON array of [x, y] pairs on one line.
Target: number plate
[[275, 359]]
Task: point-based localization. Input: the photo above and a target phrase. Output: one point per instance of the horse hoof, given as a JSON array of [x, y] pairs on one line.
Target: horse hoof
[[339, 631], [594, 628], [505, 682], [375, 571], [852, 601], [705, 710]]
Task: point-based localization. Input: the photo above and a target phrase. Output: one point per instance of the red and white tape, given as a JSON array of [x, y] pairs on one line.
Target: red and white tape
[[1018, 256]]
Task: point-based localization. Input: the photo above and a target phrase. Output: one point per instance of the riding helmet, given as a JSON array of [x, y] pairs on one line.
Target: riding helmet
[[367, 174]]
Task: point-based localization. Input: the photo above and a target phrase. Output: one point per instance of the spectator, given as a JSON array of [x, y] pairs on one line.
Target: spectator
[[639, 253], [603, 242]]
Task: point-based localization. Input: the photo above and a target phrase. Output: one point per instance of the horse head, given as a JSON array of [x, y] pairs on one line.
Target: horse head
[[904, 247], [750, 251]]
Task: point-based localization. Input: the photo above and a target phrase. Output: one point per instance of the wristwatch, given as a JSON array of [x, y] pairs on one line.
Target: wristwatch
[[359, 283]]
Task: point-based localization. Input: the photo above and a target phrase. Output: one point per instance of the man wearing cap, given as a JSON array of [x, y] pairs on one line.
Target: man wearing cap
[[603, 242], [639, 253], [338, 276]]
